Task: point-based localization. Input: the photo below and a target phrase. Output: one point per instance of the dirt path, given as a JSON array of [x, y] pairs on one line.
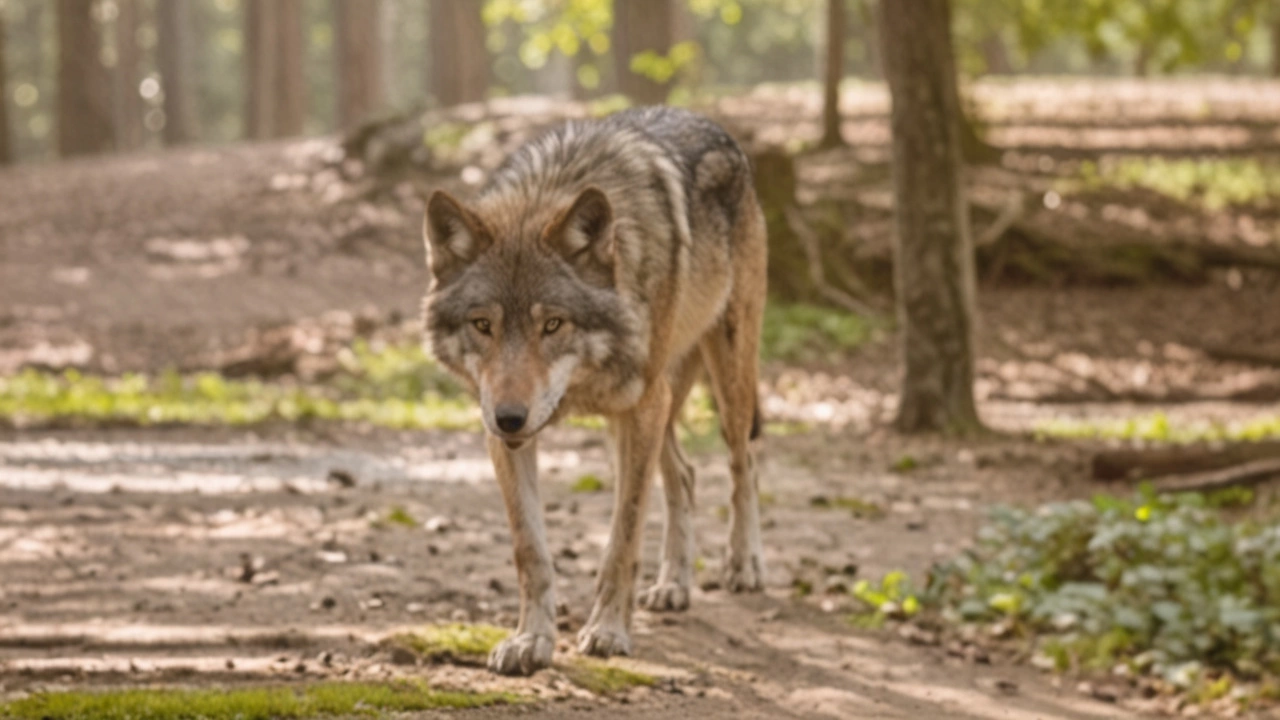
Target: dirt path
[[123, 555]]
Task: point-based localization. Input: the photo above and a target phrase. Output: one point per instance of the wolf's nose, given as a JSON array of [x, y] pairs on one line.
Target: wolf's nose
[[510, 418]]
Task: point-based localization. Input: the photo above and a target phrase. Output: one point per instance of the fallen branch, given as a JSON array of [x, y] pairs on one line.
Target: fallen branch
[[1129, 463], [1248, 474], [1245, 356], [813, 252]]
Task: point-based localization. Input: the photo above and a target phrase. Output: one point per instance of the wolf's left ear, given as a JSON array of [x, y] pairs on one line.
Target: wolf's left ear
[[455, 236], [583, 235]]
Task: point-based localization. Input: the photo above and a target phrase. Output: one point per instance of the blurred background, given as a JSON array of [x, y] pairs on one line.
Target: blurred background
[[216, 419]]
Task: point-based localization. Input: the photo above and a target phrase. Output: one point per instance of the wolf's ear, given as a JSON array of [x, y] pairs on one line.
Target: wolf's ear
[[583, 235], [455, 236]]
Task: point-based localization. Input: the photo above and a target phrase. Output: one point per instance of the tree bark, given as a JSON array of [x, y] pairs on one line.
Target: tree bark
[[995, 55], [260, 32], [6, 149], [1275, 43], [359, 57], [276, 97], [173, 57], [459, 58], [291, 82], [128, 99], [934, 252], [833, 73], [84, 93], [639, 26]]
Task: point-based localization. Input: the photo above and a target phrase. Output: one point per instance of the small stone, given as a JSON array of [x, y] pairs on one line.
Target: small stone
[[999, 686], [438, 524], [459, 615], [414, 608], [342, 478], [403, 656], [496, 586]]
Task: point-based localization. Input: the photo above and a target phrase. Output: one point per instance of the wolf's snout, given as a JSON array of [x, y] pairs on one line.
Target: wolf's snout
[[511, 418]]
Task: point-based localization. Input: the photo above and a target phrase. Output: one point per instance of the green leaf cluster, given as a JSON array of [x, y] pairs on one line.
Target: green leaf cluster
[[1162, 582]]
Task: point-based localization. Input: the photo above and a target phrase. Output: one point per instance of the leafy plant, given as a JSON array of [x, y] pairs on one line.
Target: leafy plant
[[1157, 427], [1163, 583]]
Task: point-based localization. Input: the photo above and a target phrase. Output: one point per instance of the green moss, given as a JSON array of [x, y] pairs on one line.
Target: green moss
[[904, 464], [396, 387], [397, 515], [259, 703], [604, 679], [587, 484], [457, 643], [1157, 427]]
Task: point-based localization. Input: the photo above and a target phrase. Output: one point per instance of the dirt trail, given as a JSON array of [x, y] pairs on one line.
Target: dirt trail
[[122, 555]]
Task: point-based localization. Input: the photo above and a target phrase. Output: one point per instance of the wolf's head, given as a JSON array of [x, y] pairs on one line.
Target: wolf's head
[[523, 307]]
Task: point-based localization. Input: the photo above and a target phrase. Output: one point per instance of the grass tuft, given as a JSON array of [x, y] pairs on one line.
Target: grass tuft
[[457, 643], [258, 703], [604, 679], [587, 484]]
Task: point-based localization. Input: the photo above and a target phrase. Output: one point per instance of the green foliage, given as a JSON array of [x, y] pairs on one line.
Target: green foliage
[[457, 643], [587, 484], [259, 703], [1211, 183], [808, 333], [1157, 427], [893, 597], [1161, 582], [602, 678], [397, 516], [395, 387]]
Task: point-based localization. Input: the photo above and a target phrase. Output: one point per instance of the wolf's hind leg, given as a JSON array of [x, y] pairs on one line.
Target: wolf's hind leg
[[675, 574], [638, 435], [529, 649], [730, 354]]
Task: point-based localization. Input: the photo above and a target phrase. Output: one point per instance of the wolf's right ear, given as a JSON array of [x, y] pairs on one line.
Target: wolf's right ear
[[455, 236]]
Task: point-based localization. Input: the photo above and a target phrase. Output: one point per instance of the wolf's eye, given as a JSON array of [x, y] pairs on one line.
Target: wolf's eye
[[552, 325], [482, 325]]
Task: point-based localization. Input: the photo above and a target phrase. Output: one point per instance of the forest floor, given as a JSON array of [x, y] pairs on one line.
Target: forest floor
[[123, 551]]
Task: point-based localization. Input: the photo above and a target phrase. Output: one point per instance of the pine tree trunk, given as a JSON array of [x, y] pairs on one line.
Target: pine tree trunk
[[84, 93], [459, 58], [291, 82], [1275, 43], [260, 33], [6, 149], [640, 26], [934, 255], [359, 57], [173, 57], [833, 73], [126, 78]]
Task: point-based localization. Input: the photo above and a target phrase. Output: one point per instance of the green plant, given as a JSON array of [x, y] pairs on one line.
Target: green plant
[[806, 333], [458, 643], [1157, 427], [587, 484], [1163, 582]]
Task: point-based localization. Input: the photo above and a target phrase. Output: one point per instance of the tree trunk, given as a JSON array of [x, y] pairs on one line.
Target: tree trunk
[[128, 99], [173, 57], [934, 253], [276, 97], [639, 26], [260, 32], [359, 57], [6, 149], [291, 80], [833, 73], [459, 58], [84, 93], [1275, 43], [995, 55]]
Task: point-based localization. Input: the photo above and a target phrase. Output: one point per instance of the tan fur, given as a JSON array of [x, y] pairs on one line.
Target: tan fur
[[604, 267]]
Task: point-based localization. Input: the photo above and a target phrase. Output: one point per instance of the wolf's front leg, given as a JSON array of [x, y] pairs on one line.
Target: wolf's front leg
[[530, 648], [638, 437]]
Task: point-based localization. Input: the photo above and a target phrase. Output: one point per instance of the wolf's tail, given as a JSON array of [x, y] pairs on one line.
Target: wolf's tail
[[757, 425]]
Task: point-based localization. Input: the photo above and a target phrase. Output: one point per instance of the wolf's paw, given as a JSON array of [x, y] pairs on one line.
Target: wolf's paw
[[744, 574], [665, 597], [604, 640], [522, 654]]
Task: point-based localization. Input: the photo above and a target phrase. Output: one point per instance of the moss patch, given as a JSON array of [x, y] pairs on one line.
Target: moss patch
[[456, 643], [587, 484], [260, 703], [604, 679], [397, 516]]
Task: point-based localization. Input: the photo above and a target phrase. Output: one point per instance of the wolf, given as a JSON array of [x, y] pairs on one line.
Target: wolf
[[601, 270]]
